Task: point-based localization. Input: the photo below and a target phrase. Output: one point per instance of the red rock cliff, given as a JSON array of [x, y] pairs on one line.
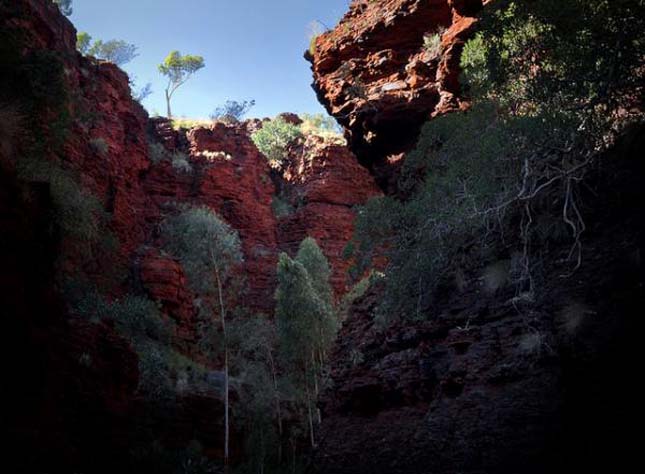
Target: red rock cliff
[[106, 147], [376, 76]]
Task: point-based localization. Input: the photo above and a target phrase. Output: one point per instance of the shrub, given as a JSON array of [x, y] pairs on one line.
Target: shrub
[[322, 126], [188, 123], [274, 139], [180, 162], [356, 292], [232, 111], [312, 45], [281, 207], [115, 51], [157, 152], [432, 42], [77, 212]]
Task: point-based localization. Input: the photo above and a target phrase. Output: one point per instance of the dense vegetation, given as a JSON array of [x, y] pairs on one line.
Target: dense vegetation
[[553, 84]]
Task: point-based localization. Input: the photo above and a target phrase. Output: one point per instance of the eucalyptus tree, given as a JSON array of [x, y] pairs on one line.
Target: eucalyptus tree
[[209, 251], [178, 69], [306, 321]]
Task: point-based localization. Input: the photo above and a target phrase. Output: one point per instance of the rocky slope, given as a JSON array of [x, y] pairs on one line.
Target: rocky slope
[[494, 383], [376, 75], [75, 375]]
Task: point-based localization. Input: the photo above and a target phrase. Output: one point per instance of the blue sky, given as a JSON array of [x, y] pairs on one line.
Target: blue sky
[[252, 48]]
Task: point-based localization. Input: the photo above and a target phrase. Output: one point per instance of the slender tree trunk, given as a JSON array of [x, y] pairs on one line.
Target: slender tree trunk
[[313, 362], [309, 413], [226, 407], [168, 104], [277, 404], [226, 401]]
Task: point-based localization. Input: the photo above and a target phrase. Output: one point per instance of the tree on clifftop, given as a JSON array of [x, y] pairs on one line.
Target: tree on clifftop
[[118, 52], [178, 69]]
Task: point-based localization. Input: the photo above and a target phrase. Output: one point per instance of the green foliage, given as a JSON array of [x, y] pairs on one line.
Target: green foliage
[[178, 68], [65, 6], [583, 56], [140, 322], [232, 111], [83, 42], [77, 213], [254, 360], [157, 152], [206, 246], [306, 323], [322, 126], [184, 123], [297, 309], [312, 45], [304, 304], [317, 267], [319, 124], [118, 52], [274, 139], [314, 30], [357, 292], [180, 162], [432, 42], [281, 207]]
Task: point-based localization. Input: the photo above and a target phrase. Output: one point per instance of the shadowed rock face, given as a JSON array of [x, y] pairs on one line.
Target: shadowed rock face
[[489, 384], [374, 73]]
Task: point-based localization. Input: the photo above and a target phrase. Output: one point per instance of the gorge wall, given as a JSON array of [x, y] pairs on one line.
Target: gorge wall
[[490, 383], [485, 386], [77, 377]]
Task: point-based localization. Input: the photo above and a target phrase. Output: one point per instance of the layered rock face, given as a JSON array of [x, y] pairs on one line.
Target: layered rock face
[[104, 143], [388, 67], [323, 183]]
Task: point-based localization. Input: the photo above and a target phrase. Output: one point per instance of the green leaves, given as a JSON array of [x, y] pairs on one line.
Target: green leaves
[[178, 68], [305, 314], [205, 245], [274, 138], [83, 42], [118, 52]]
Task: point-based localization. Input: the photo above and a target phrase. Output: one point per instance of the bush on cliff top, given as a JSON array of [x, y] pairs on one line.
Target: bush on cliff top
[[274, 139], [232, 111]]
